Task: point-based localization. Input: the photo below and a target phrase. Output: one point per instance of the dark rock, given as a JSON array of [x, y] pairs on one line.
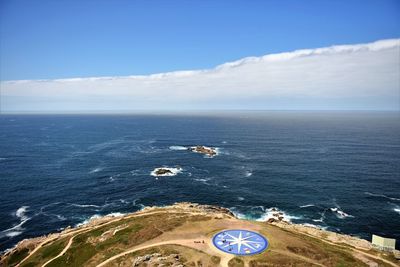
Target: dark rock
[[162, 171]]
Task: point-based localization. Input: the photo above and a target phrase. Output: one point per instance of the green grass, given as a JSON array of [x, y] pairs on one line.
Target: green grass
[[86, 245], [17, 256], [46, 252]]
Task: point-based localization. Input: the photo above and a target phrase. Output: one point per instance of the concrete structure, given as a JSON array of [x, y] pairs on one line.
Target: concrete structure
[[382, 243]]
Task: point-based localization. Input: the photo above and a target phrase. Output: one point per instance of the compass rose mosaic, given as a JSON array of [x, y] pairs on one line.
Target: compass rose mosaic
[[240, 242]]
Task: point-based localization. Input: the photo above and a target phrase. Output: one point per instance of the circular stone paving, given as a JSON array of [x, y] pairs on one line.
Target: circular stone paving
[[240, 242]]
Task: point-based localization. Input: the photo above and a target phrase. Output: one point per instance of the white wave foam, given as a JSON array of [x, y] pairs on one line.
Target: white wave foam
[[60, 217], [20, 213], [340, 214], [383, 196], [98, 169], [17, 229], [85, 205], [178, 148], [306, 206], [13, 233], [248, 173], [240, 198], [96, 216], [173, 171], [271, 213], [397, 210], [275, 213], [203, 180]]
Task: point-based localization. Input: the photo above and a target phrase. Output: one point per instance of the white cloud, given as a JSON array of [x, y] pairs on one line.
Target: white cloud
[[361, 76]]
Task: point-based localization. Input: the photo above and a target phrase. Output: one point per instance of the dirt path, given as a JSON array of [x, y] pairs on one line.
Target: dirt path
[[225, 258], [78, 231], [90, 228], [62, 252], [182, 242]]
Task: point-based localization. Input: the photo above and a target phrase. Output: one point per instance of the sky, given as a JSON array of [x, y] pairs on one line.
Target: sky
[[54, 45]]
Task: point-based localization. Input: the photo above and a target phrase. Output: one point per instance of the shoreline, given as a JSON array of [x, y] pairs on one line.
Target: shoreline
[[98, 220], [185, 224]]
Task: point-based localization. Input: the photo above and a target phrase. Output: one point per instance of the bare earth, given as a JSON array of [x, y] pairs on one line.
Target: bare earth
[[181, 235]]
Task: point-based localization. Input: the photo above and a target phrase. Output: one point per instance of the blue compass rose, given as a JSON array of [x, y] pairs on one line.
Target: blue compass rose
[[240, 242]]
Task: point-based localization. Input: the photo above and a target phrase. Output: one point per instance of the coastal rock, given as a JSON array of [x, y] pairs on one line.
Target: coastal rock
[[209, 151], [162, 171], [166, 171]]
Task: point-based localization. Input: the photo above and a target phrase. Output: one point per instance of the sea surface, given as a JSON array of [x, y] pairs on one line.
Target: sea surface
[[335, 170]]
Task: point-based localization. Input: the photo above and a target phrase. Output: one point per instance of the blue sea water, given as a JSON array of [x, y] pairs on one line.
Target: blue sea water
[[336, 170]]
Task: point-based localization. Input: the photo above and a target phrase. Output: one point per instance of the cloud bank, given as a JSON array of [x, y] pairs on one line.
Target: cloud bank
[[361, 76]]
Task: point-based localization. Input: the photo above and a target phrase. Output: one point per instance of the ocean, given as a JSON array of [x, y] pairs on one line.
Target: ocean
[[335, 170]]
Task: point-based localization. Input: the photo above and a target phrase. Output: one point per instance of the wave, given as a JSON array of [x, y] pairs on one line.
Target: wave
[[382, 196], [98, 169], [340, 214], [265, 215], [172, 171], [59, 217], [322, 218], [248, 173], [20, 213], [17, 229], [240, 198], [98, 216], [275, 213], [397, 210], [178, 148], [307, 206], [203, 180], [84, 205]]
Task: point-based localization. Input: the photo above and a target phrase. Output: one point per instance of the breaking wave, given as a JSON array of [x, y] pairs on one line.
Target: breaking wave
[[340, 214], [17, 229], [177, 148], [307, 206], [260, 214], [382, 196], [203, 180], [248, 173], [98, 169], [84, 205]]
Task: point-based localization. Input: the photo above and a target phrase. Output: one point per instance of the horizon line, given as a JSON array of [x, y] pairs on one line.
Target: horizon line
[[192, 111]]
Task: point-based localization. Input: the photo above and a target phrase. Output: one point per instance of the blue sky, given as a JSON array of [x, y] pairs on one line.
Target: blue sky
[[124, 56], [62, 39]]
